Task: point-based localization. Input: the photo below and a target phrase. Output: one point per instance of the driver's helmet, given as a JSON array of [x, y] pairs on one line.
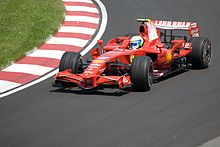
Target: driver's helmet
[[136, 42]]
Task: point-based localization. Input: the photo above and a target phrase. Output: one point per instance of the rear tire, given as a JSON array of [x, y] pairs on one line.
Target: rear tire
[[71, 60], [201, 54], [142, 73]]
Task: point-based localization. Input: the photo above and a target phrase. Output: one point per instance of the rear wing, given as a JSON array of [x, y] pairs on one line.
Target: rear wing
[[192, 27], [174, 25]]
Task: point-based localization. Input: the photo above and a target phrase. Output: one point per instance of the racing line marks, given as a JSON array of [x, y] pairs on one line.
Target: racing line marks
[[80, 24]]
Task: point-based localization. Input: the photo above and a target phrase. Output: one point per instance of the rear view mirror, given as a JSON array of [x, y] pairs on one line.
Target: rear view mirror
[[100, 42]]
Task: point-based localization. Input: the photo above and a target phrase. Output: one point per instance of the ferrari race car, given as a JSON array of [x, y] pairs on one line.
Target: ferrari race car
[[164, 50]]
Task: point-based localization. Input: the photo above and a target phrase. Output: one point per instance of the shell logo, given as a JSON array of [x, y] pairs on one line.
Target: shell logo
[[169, 57], [131, 58]]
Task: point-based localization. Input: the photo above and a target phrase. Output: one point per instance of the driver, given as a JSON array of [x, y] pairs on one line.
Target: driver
[[136, 42]]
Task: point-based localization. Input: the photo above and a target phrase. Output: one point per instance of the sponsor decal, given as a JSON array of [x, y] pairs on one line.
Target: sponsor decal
[[88, 72], [92, 67], [187, 45], [98, 61], [111, 78], [131, 58], [102, 58], [102, 70], [125, 80], [95, 64], [195, 35], [194, 25], [111, 53], [118, 49], [152, 31], [169, 57], [172, 24]]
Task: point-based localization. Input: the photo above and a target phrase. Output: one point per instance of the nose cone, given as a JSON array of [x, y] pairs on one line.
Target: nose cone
[[95, 68]]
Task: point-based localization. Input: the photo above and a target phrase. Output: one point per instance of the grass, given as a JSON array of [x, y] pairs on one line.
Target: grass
[[25, 24]]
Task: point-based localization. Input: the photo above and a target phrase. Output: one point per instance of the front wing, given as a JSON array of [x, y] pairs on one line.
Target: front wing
[[90, 82]]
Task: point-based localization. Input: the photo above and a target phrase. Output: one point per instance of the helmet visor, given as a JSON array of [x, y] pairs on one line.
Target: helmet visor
[[134, 45]]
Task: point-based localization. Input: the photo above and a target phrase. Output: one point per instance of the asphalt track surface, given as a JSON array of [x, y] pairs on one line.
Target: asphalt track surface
[[179, 111]]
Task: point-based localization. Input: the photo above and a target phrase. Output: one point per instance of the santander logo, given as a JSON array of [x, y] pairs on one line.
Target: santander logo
[[173, 24]]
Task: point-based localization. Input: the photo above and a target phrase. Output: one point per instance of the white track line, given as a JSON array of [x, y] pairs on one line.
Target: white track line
[[81, 8], [7, 85], [84, 1], [56, 54], [83, 30], [30, 84], [98, 36], [82, 19], [101, 30], [67, 41], [28, 68], [212, 143]]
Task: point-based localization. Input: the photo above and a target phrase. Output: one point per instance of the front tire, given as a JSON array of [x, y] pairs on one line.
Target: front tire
[[201, 54], [71, 60], [142, 73]]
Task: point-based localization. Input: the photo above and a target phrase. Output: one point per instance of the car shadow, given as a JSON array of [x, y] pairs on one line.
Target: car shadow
[[105, 91], [174, 74], [111, 90]]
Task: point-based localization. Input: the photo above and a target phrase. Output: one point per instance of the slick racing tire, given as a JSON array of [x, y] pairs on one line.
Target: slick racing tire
[[201, 54], [71, 60], [142, 73]]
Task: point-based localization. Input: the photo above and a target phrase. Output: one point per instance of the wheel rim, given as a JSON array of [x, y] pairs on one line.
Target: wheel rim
[[207, 52]]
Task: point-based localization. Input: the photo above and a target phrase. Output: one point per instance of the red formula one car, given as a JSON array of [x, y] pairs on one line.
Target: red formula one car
[[163, 47]]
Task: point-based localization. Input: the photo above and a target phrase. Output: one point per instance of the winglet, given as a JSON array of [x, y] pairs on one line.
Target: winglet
[[143, 20]]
